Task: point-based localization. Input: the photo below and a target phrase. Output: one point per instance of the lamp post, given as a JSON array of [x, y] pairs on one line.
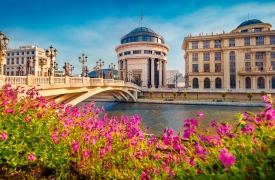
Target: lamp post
[[99, 64], [51, 54], [87, 71], [112, 67], [122, 70], [82, 60], [96, 69], [176, 80], [129, 73], [4, 40], [41, 63], [71, 69]]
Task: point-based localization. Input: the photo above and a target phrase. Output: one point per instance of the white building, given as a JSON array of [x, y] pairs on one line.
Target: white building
[[143, 54], [16, 57]]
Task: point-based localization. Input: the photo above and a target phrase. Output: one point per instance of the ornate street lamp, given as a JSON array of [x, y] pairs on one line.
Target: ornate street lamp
[[51, 54], [4, 40], [96, 69], [99, 64], [41, 63], [82, 60], [87, 71], [112, 67], [71, 69]]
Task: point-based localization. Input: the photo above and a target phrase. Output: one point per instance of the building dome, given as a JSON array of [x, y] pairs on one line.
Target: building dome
[[249, 22], [142, 34]]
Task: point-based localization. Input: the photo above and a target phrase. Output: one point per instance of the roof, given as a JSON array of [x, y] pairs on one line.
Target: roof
[[249, 22]]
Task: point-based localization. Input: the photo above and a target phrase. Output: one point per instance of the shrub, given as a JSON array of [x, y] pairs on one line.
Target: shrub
[[151, 93], [162, 95], [249, 95], [262, 93], [185, 94], [223, 95], [174, 94]]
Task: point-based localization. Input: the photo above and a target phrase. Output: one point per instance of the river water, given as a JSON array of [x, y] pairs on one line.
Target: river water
[[158, 116]]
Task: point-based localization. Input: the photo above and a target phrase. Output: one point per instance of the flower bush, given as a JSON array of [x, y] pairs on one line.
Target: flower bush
[[37, 135]]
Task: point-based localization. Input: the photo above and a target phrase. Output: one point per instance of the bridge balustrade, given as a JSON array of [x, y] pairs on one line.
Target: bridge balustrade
[[118, 82], [76, 80], [41, 80], [59, 80], [108, 81], [16, 80]]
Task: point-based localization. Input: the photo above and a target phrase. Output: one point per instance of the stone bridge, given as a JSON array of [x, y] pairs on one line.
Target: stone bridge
[[74, 90]]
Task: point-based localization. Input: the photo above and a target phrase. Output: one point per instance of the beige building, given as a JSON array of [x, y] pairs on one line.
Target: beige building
[[142, 56], [16, 57], [241, 59]]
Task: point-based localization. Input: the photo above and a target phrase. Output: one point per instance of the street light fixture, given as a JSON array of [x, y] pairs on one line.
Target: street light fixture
[[82, 60], [4, 41], [41, 63], [71, 69], [87, 71], [51, 54], [99, 64], [112, 67]]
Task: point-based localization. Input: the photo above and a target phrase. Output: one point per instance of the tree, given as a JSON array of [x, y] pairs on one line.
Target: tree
[[262, 93], [174, 94], [179, 94], [185, 94], [162, 94], [223, 95], [151, 93], [249, 95]]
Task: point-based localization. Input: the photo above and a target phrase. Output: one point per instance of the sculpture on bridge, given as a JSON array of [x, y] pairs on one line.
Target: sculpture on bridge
[[20, 70], [49, 71], [66, 67], [30, 64]]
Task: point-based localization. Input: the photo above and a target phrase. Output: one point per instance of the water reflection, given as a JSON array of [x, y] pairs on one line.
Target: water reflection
[[158, 116]]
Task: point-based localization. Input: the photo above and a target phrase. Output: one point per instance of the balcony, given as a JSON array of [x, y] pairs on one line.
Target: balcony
[[255, 71]]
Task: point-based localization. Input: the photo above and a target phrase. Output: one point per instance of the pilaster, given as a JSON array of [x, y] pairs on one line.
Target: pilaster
[[152, 74]]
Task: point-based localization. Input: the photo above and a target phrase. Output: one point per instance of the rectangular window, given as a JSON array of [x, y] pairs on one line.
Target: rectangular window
[[272, 39], [136, 52], [22, 60], [231, 42], [8, 54], [247, 66], [12, 54], [17, 53], [218, 56], [259, 55], [244, 31], [147, 52], [22, 53], [273, 65], [8, 61], [8, 73], [17, 60], [272, 55], [257, 29], [247, 55], [247, 41], [218, 67], [195, 45], [28, 52], [217, 43], [260, 66], [11, 73], [206, 44], [120, 54], [206, 56], [12, 61], [260, 40], [206, 67], [32, 52], [157, 52], [195, 57], [127, 52], [195, 68]]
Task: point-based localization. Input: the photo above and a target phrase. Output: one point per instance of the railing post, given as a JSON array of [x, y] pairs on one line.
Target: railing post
[[67, 79], [2, 80], [30, 79], [51, 79]]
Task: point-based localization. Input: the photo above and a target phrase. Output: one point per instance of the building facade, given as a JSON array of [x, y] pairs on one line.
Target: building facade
[[20, 57], [142, 55], [242, 59]]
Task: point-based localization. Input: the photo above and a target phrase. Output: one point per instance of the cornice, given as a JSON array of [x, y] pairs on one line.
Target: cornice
[[121, 46]]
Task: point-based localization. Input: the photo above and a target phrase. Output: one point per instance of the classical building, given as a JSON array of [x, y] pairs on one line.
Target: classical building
[[142, 56], [241, 59], [20, 57]]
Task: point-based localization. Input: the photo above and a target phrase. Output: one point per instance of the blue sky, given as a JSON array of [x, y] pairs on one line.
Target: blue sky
[[95, 27]]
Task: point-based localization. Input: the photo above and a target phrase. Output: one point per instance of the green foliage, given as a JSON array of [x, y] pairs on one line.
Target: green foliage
[[184, 94], [162, 95], [174, 94], [262, 93], [151, 93], [249, 95], [223, 95]]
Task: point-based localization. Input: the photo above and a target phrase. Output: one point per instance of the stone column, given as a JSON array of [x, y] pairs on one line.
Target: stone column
[[164, 73], [160, 73], [125, 67], [119, 67], [252, 61], [152, 73]]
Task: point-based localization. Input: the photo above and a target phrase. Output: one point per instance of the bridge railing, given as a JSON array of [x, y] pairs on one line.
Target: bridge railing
[[118, 82], [108, 82], [59, 80], [77, 80], [16, 80], [41, 80]]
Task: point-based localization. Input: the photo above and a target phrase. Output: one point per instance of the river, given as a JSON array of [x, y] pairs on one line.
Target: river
[[158, 116]]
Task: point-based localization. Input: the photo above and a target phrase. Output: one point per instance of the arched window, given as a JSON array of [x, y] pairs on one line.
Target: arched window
[[232, 66], [261, 84], [195, 83], [248, 83], [273, 82], [218, 83], [206, 83]]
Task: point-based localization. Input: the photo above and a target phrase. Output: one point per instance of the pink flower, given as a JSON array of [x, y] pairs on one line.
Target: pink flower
[[214, 123], [86, 153], [4, 136], [32, 157], [27, 119], [39, 115], [75, 145], [265, 98], [201, 116], [226, 158]]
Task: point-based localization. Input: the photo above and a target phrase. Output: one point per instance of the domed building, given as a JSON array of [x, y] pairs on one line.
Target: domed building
[[142, 58], [242, 59]]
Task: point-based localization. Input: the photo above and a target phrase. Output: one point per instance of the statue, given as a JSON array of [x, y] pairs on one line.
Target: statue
[[20, 70], [49, 71], [66, 67], [30, 65]]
